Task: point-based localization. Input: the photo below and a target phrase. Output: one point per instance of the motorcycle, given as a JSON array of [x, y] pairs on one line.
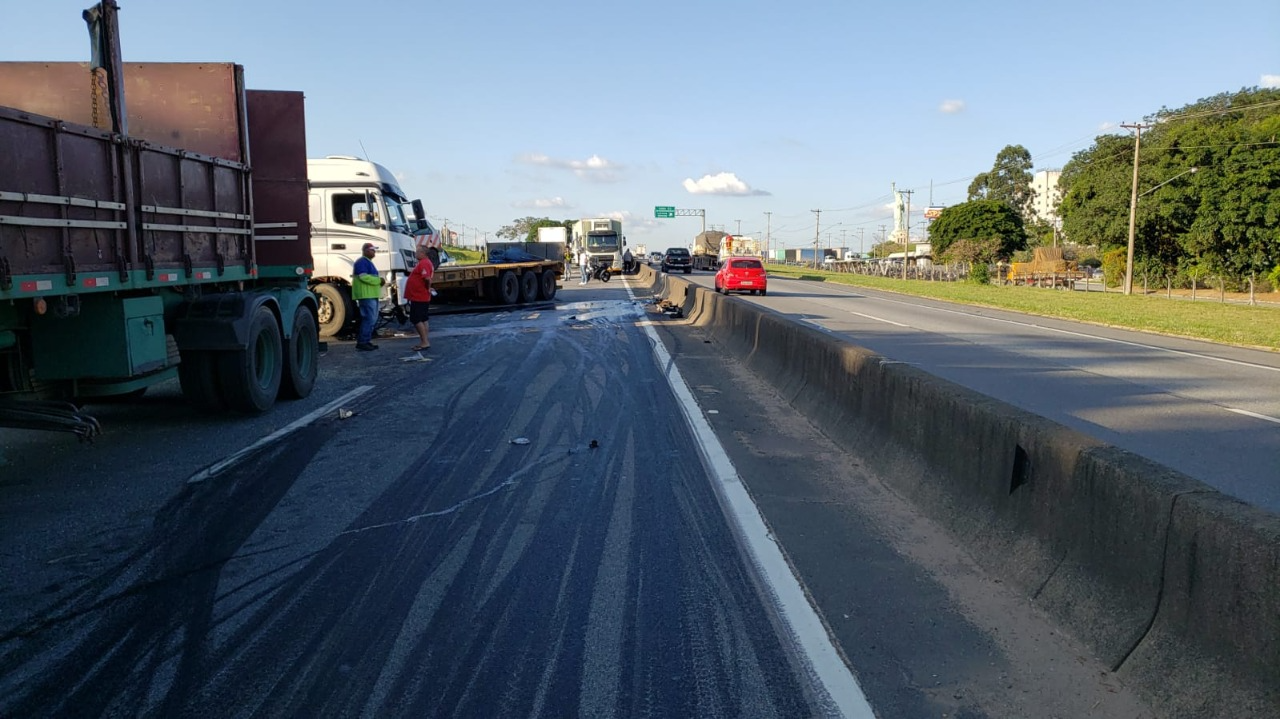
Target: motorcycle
[[599, 270]]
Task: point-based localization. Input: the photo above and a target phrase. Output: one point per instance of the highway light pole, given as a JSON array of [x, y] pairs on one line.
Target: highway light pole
[[817, 222], [906, 240], [768, 225], [1133, 206]]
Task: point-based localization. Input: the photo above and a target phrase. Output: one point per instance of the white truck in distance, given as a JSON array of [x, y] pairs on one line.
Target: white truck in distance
[[602, 238], [353, 202]]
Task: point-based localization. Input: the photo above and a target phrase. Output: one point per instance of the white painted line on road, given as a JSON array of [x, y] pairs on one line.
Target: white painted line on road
[[879, 319], [809, 634], [228, 462], [1255, 415]]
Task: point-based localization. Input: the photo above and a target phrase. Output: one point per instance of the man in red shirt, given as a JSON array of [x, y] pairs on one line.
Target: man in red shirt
[[417, 289]]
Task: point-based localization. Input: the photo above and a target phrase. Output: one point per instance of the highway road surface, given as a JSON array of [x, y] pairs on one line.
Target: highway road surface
[[583, 510], [1208, 410]]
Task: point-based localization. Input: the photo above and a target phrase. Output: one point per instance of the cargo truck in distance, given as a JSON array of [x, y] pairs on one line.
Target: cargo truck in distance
[[146, 248], [602, 238], [706, 249]]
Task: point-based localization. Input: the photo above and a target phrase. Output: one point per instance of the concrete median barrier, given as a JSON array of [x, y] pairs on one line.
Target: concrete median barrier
[[1145, 565]]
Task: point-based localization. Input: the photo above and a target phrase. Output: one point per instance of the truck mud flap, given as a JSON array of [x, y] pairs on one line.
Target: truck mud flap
[[219, 321]]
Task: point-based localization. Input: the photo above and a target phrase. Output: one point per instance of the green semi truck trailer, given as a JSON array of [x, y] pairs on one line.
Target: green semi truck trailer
[[153, 224]]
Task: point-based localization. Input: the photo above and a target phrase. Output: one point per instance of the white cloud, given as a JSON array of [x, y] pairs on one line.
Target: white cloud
[[724, 183], [951, 107], [622, 216], [1108, 126], [594, 168], [1270, 81], [543, 203]]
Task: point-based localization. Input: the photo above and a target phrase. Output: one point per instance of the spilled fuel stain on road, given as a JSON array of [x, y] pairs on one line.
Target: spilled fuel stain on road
[[414, 561]]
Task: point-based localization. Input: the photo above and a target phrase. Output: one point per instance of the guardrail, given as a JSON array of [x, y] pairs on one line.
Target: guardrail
[[1173, 584]]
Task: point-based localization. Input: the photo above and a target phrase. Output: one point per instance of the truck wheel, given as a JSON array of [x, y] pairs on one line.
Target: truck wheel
[[301, 357], [528, 286], [250, 377], [335, 310], [687, 270], [547, 285], [508, 287], [198, 377]]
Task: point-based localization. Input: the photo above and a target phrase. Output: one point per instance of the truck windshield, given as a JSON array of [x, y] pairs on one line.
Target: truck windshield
[[395, 218], [602, 242]]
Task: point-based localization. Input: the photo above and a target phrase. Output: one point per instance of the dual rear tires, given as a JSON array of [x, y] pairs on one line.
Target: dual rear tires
[[249, 380]]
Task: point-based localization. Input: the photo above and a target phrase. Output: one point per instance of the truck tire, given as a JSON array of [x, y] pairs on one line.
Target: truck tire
[[508, 287], [250, 377], [301, 357], [528, 286], [198, 377], [688, 270], [547, 285], [336, 308]]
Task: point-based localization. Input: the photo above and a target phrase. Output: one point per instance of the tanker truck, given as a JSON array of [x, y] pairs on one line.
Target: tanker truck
[[137, 245]]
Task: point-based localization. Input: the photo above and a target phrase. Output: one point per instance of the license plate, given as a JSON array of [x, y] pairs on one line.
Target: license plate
[[746, 283]]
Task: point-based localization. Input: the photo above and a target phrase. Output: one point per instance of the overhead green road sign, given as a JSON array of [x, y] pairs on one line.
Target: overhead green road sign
[[662, 211]]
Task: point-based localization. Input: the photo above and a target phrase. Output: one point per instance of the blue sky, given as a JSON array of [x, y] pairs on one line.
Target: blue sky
[[491, 111]]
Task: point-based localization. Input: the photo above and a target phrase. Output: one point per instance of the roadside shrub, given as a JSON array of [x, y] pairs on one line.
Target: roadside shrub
[[980, 274], [1113, 262], [1273, 279]]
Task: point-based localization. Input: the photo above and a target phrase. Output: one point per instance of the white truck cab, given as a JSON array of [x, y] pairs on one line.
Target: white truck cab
[[354, 202]]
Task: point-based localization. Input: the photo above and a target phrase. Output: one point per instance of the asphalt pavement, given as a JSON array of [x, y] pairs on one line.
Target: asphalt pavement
[[520, 523]]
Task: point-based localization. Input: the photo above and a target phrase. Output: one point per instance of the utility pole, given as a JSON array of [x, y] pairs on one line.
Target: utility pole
[[906, 240], [739, 233], [768, 225], [862, 246], [883, 230], [817, 222], [843, 246], [1137, 127]]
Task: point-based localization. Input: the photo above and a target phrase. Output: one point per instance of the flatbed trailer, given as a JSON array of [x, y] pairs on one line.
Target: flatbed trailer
[[506, 283]]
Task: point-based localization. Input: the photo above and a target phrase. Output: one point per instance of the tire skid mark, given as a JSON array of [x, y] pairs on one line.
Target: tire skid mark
[[492, 608]]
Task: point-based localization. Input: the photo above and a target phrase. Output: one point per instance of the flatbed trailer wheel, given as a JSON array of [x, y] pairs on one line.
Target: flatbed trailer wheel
[[250, 377], [547, 285], [528, 286], [508, 287]]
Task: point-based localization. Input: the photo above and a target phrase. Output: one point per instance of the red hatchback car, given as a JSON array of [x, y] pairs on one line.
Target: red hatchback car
[[742, 274]]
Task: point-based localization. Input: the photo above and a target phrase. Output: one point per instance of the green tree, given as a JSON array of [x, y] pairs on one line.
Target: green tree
[[979, 187], [1224, 219], [532, 234], [979, 220], [1009, 181], [519, 229], [1095, 198]]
